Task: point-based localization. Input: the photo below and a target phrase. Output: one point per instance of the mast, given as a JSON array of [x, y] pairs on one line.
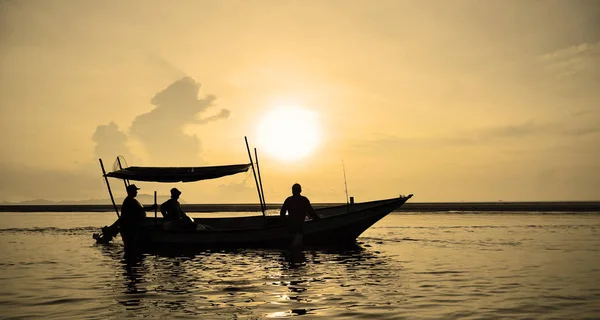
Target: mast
[[109, 191], [262, 208]]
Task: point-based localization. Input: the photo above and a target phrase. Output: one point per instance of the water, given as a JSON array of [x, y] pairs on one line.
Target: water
[[415, 266]]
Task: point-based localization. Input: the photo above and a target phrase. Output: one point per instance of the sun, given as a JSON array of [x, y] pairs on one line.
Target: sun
[[289, 133]]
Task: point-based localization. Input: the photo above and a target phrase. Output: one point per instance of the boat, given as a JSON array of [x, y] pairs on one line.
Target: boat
[[338, 225]]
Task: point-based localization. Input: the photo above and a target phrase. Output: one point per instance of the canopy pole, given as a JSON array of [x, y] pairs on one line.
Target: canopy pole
[[262, 208], [262, 192], [155, 209], [126, 182], [109, 191]]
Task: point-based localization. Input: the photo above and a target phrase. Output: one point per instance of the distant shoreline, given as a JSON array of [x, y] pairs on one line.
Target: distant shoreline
[[562, 206]]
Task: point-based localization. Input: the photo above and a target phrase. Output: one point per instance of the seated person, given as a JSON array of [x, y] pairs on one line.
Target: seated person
[[171, 210]]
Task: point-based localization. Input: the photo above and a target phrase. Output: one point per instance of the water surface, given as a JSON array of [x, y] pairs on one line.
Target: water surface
[[414, 266]]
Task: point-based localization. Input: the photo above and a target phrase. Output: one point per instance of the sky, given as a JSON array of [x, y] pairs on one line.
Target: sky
[[448, 100]]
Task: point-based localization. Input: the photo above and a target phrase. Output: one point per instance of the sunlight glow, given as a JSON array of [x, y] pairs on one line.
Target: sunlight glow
[[289, 133]]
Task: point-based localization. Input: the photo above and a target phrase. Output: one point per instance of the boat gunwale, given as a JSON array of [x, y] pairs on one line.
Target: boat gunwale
[[282, 223]]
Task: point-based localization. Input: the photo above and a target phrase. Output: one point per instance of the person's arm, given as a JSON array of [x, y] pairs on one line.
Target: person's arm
[[163, 208], [311, 211], [182, 214], [283, 208], [150, 208], [124, 208], [138, 209]]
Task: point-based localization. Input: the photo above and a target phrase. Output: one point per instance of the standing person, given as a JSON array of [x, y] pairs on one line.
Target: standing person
[[133, 214], [171, 210], [297, 207]]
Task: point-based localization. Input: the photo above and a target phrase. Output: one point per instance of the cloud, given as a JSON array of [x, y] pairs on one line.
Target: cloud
[[587, 123], [487, 135], [584, 112], [223, 114], [582, 131], [111, 142], [511, 131], [526, 129], [570, 52], [161, 130], [501, 132], [581, 60]]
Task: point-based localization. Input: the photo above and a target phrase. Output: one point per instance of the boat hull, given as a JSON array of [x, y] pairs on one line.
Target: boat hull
[[338, 226]]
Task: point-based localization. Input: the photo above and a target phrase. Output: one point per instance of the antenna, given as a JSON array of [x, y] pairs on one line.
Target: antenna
[[345, 184]]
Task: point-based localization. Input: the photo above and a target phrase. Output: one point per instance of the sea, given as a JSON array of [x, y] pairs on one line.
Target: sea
[[410, 265]]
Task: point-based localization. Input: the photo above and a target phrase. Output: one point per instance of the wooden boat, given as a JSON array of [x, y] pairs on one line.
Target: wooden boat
[[338, 224]]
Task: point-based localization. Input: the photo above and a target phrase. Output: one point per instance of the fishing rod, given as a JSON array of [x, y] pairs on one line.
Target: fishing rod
[[345, 184]]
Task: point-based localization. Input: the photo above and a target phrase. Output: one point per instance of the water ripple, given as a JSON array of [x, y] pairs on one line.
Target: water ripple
[[404, 267]]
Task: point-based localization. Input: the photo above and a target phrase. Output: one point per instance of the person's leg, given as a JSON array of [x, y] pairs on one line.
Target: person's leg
[[127, 236], [297, 240]]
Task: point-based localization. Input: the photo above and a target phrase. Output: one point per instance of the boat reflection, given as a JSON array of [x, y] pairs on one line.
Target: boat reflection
[[132, 274], [151, 279], [255, 282], [313, 278]]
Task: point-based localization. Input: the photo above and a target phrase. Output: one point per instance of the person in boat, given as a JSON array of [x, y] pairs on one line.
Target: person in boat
[[133, 214], [297, 208], [172, 212]]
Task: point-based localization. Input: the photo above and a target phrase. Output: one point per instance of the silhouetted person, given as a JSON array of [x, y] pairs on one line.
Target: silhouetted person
[[133, 215], [171, 210], [297, 207]]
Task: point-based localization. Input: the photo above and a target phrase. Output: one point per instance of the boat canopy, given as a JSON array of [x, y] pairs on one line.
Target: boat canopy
[[177, 174]]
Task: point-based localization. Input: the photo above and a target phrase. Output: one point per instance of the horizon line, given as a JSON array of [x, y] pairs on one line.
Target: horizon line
[[524, 206]]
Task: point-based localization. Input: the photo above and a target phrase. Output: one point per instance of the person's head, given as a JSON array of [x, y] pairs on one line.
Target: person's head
[[175, 193], [132, 190], [296, 188]]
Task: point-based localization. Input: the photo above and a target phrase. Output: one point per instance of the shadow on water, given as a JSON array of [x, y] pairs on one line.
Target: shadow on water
[[232, 281], [133, 275], [132, 272]]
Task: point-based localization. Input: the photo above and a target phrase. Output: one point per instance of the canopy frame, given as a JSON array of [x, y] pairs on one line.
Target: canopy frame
[[176, 174], [182, 174]]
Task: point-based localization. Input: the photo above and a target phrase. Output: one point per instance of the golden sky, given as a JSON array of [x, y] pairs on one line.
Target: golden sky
[[449, 100]]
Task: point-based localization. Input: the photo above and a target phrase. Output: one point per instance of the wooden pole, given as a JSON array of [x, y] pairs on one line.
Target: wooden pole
[[109, 191], [262, 208], [155, 209], [345, 184], [126, 182], [260, 180]]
